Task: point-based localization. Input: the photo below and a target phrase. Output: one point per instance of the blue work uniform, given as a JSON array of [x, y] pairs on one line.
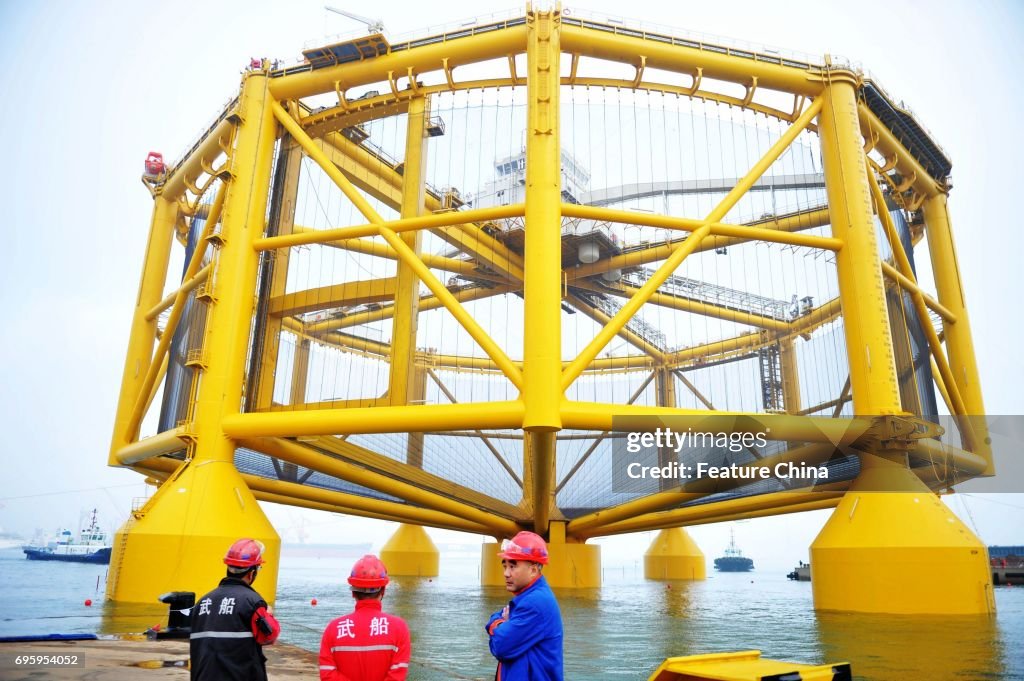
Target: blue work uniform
[[528, 644]]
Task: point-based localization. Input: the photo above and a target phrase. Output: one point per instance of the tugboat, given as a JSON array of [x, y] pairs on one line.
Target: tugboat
[[733, 560], [92, 546]]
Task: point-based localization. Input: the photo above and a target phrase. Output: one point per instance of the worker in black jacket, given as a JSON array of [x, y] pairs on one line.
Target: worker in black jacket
[[232, 623]]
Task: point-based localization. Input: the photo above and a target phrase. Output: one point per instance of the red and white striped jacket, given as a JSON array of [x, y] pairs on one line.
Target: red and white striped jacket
[[365, 645]]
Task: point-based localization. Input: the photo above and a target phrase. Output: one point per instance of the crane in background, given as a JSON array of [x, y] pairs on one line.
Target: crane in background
[[372, 25]]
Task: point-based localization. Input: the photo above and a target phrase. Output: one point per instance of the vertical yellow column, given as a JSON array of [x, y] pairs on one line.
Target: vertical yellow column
[[861, 288], [539, 449], [959, 344], [542, 337], [300, 371], [529, 473], [571, 564], [790, 376], [882, 550], [178, 540], [665, 387], [143, 332], [290, 165], [665, 396], [403, 334], [542, 262], [410, 551], [417, 394]]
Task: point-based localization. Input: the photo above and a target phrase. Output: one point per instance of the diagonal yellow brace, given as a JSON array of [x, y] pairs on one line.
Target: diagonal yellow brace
[[399, 226], [187, 286], [576, 367], [297, 494], [912, 285], [144, 396], [292, 494], [320, 158], [298, 454], [378, 177], [408, 256], [591, 523], [401, 248], [618, 322], [426, 303], [467, 268], [634, 339], [934, 344], [316, 153], [761, 505], [956, 336]]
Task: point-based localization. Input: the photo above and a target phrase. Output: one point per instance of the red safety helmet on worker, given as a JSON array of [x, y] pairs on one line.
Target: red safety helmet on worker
[[525, 546], [245, 553], [368, 575]]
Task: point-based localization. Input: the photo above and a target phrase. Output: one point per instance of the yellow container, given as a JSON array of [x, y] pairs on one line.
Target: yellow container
[[746, 665]]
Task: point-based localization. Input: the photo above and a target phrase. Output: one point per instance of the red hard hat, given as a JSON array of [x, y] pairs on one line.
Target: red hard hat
[[525, 546], [368, 574], [245, 553]]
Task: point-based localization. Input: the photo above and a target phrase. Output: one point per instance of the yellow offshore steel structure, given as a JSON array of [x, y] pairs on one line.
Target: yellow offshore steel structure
[[891, 546]]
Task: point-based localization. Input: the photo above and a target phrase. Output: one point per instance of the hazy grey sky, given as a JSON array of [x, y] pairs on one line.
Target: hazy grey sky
[[91, 88]]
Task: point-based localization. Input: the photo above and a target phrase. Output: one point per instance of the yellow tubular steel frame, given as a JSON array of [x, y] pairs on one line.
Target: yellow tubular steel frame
[[542, 288], [825, 99], [868, 338]]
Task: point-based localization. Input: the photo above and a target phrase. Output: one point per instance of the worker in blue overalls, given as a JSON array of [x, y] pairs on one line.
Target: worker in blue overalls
[[526, 635]]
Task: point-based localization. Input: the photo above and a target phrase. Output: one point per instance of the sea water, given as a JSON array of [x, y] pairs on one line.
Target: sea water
[[622, 630]]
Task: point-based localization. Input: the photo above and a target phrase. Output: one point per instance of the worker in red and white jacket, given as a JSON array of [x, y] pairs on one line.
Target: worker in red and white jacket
[[366, 644]]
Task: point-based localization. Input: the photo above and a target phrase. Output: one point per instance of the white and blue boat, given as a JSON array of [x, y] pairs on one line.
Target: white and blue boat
[[92, 546]]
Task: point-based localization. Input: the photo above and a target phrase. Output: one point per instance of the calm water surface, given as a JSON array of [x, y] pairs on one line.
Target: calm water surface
[[620, 631]]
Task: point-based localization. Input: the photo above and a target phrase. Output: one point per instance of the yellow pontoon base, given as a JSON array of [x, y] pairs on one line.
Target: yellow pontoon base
[[410, 553], [674, 555]]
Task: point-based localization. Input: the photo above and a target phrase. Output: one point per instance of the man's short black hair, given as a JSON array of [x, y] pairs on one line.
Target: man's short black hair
[[240, 572], [364, 595]]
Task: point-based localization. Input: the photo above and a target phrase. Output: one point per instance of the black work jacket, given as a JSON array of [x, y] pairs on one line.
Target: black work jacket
[[222, 644]]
